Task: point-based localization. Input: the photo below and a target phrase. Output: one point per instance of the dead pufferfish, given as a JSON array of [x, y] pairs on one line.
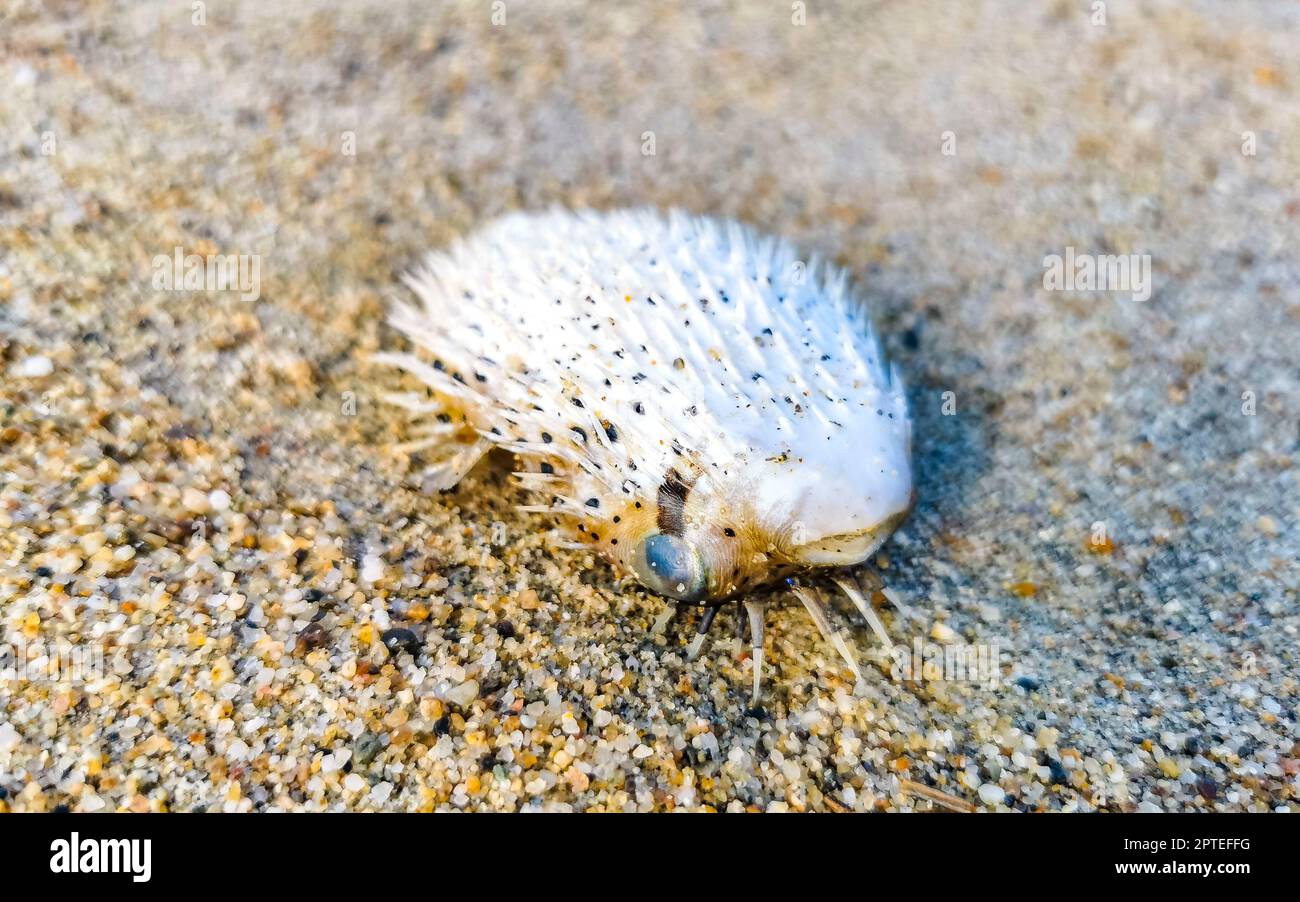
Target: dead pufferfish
[[707, 412]]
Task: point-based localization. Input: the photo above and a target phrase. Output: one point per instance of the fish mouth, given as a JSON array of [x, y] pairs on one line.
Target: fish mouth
[[846, 549]]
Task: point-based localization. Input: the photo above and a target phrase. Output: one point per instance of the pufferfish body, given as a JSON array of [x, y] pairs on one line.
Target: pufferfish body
[[704, 409]]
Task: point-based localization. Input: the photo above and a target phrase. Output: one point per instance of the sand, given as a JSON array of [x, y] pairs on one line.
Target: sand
[[254, 604]]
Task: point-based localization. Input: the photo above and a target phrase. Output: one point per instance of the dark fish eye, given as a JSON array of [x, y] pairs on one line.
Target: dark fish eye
[[669, 566]]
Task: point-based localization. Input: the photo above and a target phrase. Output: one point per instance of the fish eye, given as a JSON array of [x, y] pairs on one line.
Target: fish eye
[[669, 566]]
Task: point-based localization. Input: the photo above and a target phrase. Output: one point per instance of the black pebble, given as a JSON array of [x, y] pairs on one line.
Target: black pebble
[[1058, 773], [398, 639]]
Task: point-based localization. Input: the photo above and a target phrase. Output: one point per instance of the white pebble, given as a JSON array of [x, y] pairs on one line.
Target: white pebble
[[194, 501], [372, 568], [992, 794], [463, 694], [9, 738], [354, 783], [219, 500], [33, 368], [942, 632]]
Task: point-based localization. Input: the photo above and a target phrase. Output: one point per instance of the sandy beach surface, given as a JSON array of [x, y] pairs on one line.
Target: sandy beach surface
[[254, 606]]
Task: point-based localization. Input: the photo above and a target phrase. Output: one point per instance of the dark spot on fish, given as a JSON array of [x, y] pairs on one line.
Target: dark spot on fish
[[672, 494]]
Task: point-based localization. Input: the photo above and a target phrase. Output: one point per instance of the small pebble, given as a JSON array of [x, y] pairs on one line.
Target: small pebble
[[194, 501], [313, 636], [941, 632], [463, 694], [372, 568], [32, 368], [9, 738], [367, 748], [400, 639]]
